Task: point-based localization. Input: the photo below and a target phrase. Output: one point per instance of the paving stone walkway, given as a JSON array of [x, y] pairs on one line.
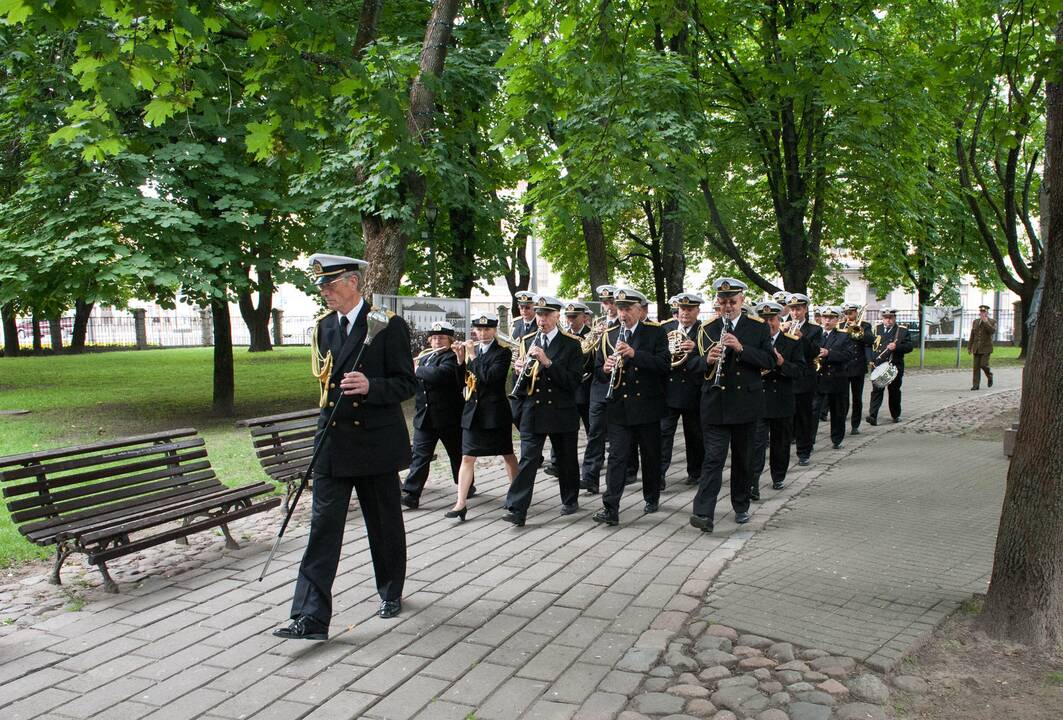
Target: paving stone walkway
[[559, 619]]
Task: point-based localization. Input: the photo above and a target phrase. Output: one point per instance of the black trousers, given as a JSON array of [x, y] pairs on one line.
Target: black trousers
[[422, 447], [837, 405], [773, 433], [804, 424], [584, 416], [531, 455], [695, 447], [979, 365], [894, 390], [821, 406], [856, 394], [594, 453], [379, 499], [718, 440], [622, 438]]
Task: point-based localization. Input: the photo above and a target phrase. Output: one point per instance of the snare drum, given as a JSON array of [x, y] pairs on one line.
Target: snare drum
[[883, 375]]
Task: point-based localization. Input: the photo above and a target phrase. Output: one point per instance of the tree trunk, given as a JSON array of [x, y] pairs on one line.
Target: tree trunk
[[664, 310], [38, 346], [385, 238], [1025, 599], [55, 330], [1025, 305], [257, 318], [82, 313], [224, 376], [518, 274], [673, 257], [11, 343], [597, 260], [462, 251]]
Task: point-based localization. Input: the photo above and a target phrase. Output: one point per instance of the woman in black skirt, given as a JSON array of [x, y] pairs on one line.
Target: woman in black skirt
[[486, 421]]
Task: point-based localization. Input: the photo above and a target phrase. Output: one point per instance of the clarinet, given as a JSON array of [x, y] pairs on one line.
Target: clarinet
[[717, 381], [618, 366]]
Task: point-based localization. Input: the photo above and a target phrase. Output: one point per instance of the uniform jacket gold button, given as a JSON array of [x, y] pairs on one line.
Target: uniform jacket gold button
[[357, 423], [333, 423], [331, 404]]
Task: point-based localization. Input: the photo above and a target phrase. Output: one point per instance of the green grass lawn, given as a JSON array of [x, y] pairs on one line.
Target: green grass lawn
[[77, 399], [946, 357]]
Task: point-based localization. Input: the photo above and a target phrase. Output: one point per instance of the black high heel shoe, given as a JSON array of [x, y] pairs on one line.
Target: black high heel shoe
[[456, 513]]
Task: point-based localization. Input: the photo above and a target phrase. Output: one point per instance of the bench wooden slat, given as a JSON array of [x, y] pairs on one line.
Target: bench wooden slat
[[105, 485], [42, 455], [277, 443], [279, 428], [142, 543], [115, 460], [290, 471], [280, 417], [104, 500], [302, 451], [168, 515], [49, 531], [172, 498]]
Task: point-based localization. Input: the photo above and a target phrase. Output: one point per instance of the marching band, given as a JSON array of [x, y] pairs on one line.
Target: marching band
[[749, 383]]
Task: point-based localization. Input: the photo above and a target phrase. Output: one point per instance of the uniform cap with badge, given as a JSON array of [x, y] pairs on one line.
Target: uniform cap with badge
[[630, 296], [524, 297], [984, 307], [576, 308], [545, 304], [728, 287], [688, 299], [830, 311], [442, 327], [888, 312], [780, 297], [486, 320], [605, 292], [325, 268], [798, 299], [769, 309]]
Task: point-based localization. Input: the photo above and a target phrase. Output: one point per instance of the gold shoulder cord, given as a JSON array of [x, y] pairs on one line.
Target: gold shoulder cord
[[321, 367]]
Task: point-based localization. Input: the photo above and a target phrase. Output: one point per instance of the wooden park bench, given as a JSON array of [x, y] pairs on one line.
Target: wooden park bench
[[117, 497], [283, 444]]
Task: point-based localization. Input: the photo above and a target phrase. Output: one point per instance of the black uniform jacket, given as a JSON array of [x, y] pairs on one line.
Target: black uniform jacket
[[583, 392], [779, 382], [550, 407], [639, 398], [368, 436], [884, 337], [522, 327], [488, 408], [811, 340], [684, 383], [862, 353], [600, 385], [740, 399], [834, 368], [439, 384]]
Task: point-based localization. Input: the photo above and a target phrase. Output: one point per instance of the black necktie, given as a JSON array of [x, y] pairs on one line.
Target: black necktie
[[728, 325], [345, 324]]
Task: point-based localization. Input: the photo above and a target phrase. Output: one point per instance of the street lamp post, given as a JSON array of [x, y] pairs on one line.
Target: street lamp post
[[430, 213]]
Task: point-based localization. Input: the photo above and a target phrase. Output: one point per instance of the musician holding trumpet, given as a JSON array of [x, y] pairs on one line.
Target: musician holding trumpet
[[732, 350], [486, 419], [547, 373], [683, 388], [437, 410], [632, 362]]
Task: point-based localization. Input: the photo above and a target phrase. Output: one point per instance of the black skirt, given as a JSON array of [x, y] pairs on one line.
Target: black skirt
[[481, 442]]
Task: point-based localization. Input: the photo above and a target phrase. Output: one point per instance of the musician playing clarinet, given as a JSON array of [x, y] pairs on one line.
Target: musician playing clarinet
[[733, 349]]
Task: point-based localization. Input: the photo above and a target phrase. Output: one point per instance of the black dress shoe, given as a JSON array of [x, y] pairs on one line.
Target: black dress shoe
[[514, 517], [303, 627], [803, 461], [897, 419], [389, 608], [411, 501], [854, 431], [691, 480], [550, 469], [742, 518], [778, 484], [570, 509], [702, 522], [472, 492], [837, 446], [604, 516], [990, 380], [974, 387], [871, 420], [590, 490], [754, 498], [456, 513], [651, 507]]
